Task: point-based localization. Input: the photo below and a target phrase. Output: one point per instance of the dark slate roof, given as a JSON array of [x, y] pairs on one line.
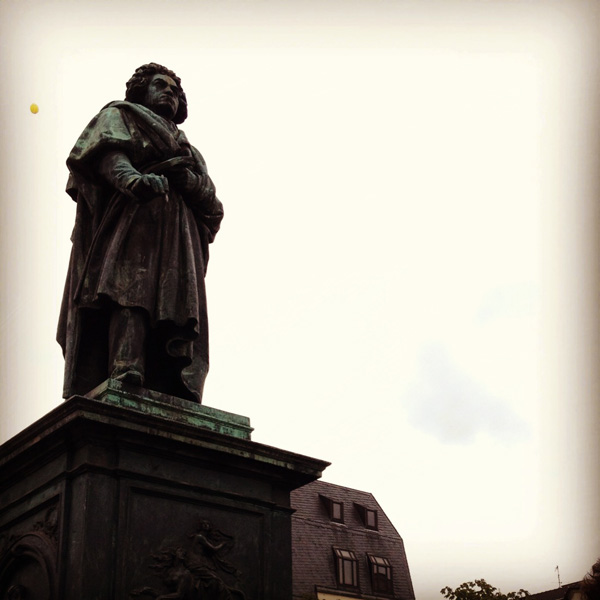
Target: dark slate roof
[[314, 535], [556, 594]]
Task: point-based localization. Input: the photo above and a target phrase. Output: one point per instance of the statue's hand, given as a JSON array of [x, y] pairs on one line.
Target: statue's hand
[[184, 179], [147, 187]]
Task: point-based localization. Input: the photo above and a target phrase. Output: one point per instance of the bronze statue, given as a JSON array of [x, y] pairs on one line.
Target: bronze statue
[[134, 306]]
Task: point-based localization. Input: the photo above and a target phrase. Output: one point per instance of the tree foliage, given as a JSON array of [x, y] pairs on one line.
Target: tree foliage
[[480, 589], [591, 583]]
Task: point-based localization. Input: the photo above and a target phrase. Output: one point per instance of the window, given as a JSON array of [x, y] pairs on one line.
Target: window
[[334, 508], [381, 574], [337, 511], [346, 568], [371, 519], [368, 516]]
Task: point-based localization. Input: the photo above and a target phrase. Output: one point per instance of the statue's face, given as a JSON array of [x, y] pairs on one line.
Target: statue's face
[[162, 96]]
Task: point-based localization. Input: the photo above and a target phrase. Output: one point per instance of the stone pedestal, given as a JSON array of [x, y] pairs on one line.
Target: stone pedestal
[[120, 495]]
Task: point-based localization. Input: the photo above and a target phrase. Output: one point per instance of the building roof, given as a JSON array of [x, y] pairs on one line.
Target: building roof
[[556, 594], [314, 535]]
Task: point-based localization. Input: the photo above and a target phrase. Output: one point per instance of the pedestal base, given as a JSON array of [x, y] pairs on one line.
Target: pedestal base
[[171, 408], [122, 496]]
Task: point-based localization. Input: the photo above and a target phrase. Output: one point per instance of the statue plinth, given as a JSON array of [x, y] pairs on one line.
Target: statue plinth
[[171, 408], [122, 496]]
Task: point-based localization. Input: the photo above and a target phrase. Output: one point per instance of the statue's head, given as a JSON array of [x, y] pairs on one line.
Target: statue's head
[[141, 90], [204, 525]]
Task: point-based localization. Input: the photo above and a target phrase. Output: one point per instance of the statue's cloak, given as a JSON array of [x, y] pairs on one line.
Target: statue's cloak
[[146, 255]]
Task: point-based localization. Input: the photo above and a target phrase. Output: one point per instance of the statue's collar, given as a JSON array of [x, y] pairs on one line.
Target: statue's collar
[[163, 132], [143, 112]]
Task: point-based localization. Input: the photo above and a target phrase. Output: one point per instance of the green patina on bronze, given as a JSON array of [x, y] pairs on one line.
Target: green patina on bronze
[[174, 409]]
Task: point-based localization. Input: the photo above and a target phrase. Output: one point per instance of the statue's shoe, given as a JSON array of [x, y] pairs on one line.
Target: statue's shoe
[[130, 376]]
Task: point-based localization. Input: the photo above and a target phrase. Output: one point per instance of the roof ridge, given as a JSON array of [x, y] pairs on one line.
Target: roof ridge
[[337, 485]]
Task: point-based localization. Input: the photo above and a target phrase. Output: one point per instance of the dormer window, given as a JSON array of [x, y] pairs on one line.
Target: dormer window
[[335, 509], [368, 516], [346, 568], [370, 519], [381, 574]]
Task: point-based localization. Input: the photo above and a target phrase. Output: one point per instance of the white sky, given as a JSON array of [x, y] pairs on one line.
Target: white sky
[[403, 281]]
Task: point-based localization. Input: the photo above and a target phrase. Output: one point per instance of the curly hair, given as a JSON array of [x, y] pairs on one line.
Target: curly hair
[[138, 84]]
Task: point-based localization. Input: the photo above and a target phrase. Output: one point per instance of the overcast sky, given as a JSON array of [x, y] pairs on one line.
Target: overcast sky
[[404, 283]]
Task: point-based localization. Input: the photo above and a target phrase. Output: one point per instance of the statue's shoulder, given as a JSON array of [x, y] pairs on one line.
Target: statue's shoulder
[[119, 105], [131, 112], [109, 113], [115, 108], [109, 124], [120, 114]]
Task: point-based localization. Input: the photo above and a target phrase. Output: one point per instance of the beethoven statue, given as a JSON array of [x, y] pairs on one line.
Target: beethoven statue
[[134, 306]]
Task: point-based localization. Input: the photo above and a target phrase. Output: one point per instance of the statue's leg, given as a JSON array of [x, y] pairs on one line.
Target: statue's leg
[[127, 336]]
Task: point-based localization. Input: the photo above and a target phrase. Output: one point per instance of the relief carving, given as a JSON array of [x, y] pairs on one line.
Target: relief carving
[[49, 525], [197, 570], [28, 562]]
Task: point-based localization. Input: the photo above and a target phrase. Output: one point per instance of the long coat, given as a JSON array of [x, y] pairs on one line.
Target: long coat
[[148, 255]]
